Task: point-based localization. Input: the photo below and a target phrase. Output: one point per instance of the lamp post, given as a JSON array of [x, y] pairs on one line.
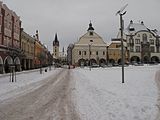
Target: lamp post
[[82, 62], [89, 57], [121, 13], [90, 43], [107, 56]]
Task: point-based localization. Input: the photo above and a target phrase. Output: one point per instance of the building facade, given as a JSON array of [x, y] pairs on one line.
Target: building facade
[[114, 52], [69, 53], [10, 51], [27, 47], [18, 50], [143, 44], [90, 49]]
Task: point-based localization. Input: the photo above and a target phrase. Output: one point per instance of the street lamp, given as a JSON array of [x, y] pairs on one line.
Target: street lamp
[[82, 61], [90, 43], [121, 13], [107, 56]]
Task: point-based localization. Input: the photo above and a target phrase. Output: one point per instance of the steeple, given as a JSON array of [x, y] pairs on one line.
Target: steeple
[[37, 35], [63, 50], [56, 42], [90, 27]]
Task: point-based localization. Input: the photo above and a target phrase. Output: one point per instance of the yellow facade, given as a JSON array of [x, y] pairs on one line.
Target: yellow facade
[[27, 46], [114, 52]]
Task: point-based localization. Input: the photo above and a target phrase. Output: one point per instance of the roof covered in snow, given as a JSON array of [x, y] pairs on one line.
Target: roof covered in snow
[[135, 27]]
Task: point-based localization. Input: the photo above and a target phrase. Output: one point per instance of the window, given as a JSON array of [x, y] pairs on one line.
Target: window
[[103, 52], [138, 35], [131, 49], [137, 48], [79, 52], [90, 33], [96, 52], [144, 37], [152, 49], [137, 41], [84, 52], [117, 46], [151, 41], [150, 36]]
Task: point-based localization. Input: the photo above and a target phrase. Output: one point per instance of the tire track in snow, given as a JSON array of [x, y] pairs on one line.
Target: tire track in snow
[[51, 101]]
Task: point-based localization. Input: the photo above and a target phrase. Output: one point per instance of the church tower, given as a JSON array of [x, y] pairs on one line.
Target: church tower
[[56, 47]]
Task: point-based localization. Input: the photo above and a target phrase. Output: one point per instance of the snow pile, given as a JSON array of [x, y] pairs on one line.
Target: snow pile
[[100, 95]]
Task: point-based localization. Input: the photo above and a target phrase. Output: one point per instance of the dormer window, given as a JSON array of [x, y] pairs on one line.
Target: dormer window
[[131, 29]]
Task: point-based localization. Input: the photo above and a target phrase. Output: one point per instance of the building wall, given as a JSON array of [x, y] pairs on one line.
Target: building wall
[[27, 47], [69, 54], [137, 42], [56, 52], [10, 25], [89, 47], [17, 48], [114, 52], [38, 51]]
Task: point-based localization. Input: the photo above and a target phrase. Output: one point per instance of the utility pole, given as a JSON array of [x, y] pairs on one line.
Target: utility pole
[[90, 43], [90, 57], [121, 13]]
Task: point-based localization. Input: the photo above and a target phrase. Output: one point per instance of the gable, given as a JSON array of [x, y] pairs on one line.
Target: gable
[[86, 38]]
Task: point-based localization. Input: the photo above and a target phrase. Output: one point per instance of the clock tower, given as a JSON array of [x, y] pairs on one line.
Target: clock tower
[[56, 47]]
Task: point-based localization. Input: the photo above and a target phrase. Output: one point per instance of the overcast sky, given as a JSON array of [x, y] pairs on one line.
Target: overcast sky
[[70, 18]]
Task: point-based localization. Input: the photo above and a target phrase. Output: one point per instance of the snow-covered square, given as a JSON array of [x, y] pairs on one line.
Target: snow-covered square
[[100, 95], [81, 94]]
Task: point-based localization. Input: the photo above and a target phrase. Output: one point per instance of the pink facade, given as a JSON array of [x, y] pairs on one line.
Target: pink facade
[[10, 51], [10, 25]]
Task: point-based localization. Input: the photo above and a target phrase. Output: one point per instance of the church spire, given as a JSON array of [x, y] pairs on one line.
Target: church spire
[[63, 50], [56, 38], [56, 42]]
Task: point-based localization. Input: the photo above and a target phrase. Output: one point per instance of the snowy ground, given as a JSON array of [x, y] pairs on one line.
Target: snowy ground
[[100, 95], [25, 82], [38, 97], [81, 94]]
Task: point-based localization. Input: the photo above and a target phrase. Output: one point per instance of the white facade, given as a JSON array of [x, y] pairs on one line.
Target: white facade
[[91, 43], [143, 43]]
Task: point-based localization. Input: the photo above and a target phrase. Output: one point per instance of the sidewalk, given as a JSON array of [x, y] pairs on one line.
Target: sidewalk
[[24, 72], [23, 79]]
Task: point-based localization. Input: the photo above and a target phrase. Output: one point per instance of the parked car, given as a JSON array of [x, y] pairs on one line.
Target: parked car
[[115, 64], [110, 65], [94, 65], [103, 65]]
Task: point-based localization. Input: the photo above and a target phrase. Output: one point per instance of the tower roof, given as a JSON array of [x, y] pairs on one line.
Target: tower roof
[[90, 27], [56, 42]]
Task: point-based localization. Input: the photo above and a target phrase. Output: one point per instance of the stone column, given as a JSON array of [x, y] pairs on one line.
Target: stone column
[[1, 69]]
